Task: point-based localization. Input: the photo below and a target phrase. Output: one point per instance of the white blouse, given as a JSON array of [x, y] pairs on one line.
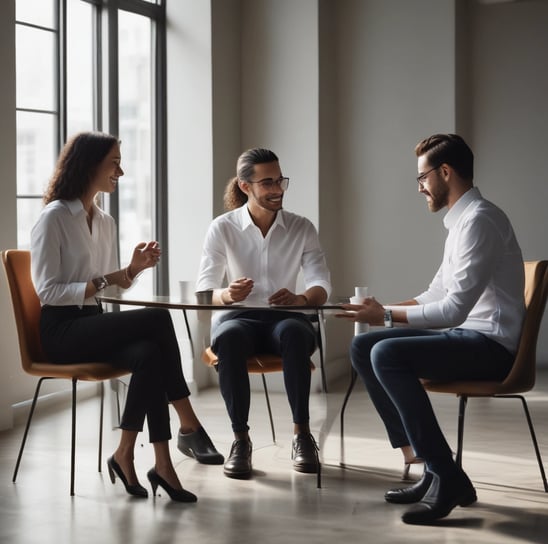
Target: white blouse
[[65, 255]]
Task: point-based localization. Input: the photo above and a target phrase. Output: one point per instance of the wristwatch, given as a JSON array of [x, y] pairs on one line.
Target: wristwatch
[[99, 283], [388, 319]]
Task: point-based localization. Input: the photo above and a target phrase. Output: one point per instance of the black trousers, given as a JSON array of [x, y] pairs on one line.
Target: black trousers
[[245, 333], [142, 341]]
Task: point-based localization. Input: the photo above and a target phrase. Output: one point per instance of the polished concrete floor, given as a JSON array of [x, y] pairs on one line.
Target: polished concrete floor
[[277, 504]]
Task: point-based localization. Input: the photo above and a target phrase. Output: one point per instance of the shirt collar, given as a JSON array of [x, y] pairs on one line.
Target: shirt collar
[[460, 205], [76, 207], [246, 221]]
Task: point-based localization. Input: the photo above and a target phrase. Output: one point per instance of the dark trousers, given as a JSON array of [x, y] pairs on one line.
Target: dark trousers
[[141, 341], [288, 334], [391, 362]]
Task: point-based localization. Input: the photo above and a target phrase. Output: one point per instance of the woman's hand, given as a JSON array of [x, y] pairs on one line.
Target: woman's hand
[[145, 255], [370, 311]]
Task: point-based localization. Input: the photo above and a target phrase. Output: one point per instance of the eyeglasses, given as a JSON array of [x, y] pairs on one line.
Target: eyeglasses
[[270, 183], [422, 177]]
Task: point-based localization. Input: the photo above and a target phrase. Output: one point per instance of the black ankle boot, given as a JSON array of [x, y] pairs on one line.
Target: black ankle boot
[[408, 495], [442, 496]]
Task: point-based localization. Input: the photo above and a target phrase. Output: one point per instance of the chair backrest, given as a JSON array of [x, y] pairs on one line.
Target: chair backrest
[[26, 305], [522, 376]]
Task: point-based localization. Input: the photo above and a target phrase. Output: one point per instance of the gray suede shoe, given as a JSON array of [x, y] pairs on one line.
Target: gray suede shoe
[[199, 446]]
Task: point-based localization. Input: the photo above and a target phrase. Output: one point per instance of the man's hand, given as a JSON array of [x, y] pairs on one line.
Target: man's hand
[[370, 311], [284, 297], [237, 291]]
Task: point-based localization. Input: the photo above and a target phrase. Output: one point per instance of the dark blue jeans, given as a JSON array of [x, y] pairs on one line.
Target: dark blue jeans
[[391, 362], [141, 341], [288, 334]]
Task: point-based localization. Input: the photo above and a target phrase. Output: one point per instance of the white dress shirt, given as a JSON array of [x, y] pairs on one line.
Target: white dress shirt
[[65, 255], [480, 282], [234, 247]]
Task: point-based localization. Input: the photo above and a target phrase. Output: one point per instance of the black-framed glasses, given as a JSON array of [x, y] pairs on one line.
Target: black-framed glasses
[[422, 177], [269, 183]]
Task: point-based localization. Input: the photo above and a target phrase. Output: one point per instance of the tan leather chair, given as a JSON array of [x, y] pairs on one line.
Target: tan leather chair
[[522, 376], [26, 309]]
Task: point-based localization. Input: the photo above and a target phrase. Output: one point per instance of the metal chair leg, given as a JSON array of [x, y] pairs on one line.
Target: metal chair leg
[[321, 350], [353, 378], [460, 432], [101, 412], [73, 439], [267, 398], [27, 427], [533, 436]]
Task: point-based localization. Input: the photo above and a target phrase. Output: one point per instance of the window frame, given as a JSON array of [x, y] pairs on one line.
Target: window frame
[[105, 93]]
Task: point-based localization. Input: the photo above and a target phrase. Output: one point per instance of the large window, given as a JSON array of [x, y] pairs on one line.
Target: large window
[[94, 65]]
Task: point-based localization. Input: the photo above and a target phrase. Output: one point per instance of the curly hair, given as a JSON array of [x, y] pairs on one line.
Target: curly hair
[[233, 196], [77, 165]]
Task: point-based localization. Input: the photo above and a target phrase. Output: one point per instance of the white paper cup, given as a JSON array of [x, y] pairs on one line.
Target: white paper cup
[[186, 289], [360, 292]]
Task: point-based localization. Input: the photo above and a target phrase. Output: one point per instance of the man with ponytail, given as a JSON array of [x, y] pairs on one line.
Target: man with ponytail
[[253, 254]]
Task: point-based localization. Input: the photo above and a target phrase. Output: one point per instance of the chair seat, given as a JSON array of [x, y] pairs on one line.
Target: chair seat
[[80, 371], [261, 363], [473, 389]]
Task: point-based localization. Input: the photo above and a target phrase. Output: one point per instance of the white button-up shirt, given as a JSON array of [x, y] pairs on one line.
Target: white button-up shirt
[[65, 255], [480, 282], [234, 247]]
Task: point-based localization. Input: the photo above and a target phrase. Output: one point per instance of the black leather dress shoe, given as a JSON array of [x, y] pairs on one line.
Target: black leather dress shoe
[[440, 499], [305, 453], [238, 464], [408, 495], [199, 446]]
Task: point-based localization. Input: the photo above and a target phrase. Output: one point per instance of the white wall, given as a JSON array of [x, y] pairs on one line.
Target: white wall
[[394, 74], [11, 384], [280, 92], [510, 119], [342, 91]]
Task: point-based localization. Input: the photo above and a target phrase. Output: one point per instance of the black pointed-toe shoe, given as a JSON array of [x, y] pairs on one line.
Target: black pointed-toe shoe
[[411, 494], [199, 446], [114, 469], [440, 499], [179, 495], [304, 453], [238, 464]]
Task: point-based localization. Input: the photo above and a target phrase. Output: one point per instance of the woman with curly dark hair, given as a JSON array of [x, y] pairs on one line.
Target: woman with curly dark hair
[[74, 256]]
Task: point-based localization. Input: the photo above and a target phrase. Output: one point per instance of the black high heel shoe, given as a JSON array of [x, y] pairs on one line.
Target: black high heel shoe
[[136, 490], [179, 495]]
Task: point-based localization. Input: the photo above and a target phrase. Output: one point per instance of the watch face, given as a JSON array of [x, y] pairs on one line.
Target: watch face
[[100, 283]]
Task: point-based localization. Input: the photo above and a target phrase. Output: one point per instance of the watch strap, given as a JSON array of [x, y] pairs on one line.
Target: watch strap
[[100, 283]]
